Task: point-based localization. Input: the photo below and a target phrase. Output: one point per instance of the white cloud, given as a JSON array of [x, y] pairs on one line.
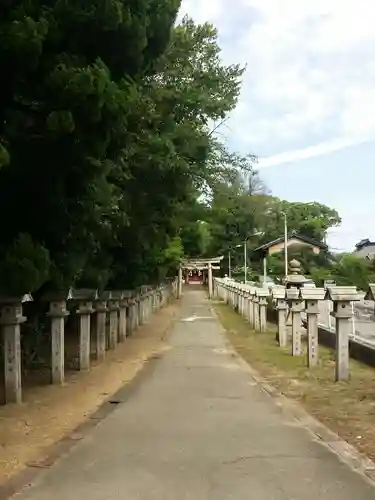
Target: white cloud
[[203, 11], [311, 152], [310, 73]]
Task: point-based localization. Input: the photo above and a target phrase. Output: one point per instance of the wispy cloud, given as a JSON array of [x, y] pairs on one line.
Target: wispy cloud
[[309, 77], [311, 152]]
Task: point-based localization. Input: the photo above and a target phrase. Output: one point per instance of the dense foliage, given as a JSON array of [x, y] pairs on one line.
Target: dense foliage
[[105, 138]]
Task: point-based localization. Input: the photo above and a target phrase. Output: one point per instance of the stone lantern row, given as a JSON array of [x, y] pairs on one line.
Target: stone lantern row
[[306, 300], [292, 302], [116, 315], [248, 300]]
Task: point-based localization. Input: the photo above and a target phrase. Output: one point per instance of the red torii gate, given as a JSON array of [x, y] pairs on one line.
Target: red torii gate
[[198, 271]]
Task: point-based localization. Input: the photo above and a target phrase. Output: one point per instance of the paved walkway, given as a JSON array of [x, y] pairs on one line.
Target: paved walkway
[[199, 428]]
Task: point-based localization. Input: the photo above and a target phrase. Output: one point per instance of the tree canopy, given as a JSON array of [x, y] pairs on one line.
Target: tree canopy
[[105, 138]]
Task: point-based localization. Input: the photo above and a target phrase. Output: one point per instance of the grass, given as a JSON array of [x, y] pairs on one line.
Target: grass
[[347, 408]]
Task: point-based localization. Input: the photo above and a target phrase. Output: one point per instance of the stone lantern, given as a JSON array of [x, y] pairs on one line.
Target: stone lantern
[[294, 282], [242, 300], [101, 309], [112, 299], [295, 278], [262, 294], [85, 298], [279, 294], [311, 296], [116, 313], [58, 313], [342, 298], [11, 319], [251, 306]]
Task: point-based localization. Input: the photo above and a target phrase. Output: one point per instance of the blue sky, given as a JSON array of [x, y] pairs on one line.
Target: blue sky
[[307, 107]]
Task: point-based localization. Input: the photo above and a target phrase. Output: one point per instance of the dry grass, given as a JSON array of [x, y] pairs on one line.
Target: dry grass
[[347, 408]]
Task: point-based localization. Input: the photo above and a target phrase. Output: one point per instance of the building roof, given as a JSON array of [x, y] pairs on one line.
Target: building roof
[[365, 248], [292, 235], [364, 243]]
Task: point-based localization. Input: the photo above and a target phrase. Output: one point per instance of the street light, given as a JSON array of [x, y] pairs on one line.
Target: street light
[[285, 243], [257, 233]]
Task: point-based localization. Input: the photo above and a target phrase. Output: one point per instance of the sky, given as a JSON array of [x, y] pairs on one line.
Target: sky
[[307, 106]]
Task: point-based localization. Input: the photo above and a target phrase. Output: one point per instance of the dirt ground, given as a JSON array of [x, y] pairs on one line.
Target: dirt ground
[[49, 413], [347, 408]]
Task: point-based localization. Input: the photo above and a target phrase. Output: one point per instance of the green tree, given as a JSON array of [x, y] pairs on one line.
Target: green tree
[[171, 153], [351, 270], [70, 76], [309, 219]]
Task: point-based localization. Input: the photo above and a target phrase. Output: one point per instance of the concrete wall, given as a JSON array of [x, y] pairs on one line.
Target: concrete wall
[[357, 350]]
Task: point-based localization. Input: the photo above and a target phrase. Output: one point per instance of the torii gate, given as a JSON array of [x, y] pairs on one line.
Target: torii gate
[[197, 270]]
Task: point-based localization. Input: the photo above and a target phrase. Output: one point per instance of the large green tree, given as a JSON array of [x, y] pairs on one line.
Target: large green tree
[[105, 139], [172, 155], [71, 72]]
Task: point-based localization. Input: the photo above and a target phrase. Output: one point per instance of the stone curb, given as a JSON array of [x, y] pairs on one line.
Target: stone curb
[[346, 452]]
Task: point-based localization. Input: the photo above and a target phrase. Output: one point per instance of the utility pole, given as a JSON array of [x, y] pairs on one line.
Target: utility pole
[[286, 243], [245, 258], [229, 266]]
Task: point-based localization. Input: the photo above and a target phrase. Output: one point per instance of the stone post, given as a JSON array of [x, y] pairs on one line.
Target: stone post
[[158, 297], [251, 306], [113, 308], [244, 309], [209, 280], [124, 321], [246, 304], [58, 312], [11, 319], [146, 309], [179, 283], [279, 294], [262, 294], [311, 296], [119, 297], [226, 293], [137, 299], [240, 300], [230, 295], [130, 326], [342, 297], [150, 301], [85, 298], [236, 297], [295, 304], [100, 306], [141, 309], [294, 282], [256, 312], [233, 296], [155, 298]]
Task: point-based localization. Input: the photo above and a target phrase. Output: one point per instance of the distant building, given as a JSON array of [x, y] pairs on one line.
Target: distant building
[[294, 241], [365, 249]]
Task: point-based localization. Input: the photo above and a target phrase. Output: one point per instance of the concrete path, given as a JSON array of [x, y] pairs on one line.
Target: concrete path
[[199, 428]]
